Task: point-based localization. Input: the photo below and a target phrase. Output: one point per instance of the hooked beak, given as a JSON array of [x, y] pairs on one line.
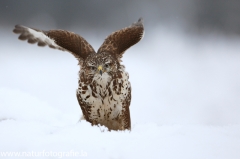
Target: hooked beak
[[100, 69]]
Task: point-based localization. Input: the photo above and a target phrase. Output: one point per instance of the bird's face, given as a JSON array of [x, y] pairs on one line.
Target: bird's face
[[101, 64]]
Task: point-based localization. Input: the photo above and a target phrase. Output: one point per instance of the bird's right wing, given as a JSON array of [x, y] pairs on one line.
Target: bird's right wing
[[57, 39]]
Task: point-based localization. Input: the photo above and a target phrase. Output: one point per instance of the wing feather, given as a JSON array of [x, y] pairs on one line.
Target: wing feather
[[118, 42], [126, 116], [56, 39], [83, 107]]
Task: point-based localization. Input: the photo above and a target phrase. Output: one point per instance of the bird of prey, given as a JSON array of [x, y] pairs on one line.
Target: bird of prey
[[104, 90]]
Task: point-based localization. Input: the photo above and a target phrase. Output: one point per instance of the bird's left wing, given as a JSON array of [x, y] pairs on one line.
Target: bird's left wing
[[118, 42]]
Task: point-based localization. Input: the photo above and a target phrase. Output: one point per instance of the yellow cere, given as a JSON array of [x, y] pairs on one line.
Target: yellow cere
[[99, 67]]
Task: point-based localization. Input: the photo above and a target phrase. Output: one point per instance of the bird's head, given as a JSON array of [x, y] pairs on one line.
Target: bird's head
[[101, 64]]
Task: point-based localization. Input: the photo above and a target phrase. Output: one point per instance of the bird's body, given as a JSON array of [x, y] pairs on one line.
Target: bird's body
[[106, 99], [104, 92]]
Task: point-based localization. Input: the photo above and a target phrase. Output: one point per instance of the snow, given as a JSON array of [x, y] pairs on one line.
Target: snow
[[189, 109]]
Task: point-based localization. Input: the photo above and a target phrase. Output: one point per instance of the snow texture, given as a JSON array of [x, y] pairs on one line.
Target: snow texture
[[185, 101]]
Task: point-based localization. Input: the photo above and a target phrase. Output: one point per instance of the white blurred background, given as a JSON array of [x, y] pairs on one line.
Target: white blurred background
[[186, 70]]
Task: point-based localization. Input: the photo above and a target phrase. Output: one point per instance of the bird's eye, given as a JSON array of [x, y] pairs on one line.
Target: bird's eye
[[106, 65], [92, 68]]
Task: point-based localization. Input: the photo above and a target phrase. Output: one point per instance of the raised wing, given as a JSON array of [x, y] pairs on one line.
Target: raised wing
[[118, 42], [57, 39]]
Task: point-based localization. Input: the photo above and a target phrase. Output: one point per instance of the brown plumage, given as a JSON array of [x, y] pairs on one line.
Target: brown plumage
[[104, 92]]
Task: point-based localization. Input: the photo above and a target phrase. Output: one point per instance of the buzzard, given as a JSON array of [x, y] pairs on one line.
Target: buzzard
[[104, 91]]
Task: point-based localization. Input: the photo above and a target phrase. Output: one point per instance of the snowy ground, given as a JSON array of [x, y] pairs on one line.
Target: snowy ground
[[185, 104]]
